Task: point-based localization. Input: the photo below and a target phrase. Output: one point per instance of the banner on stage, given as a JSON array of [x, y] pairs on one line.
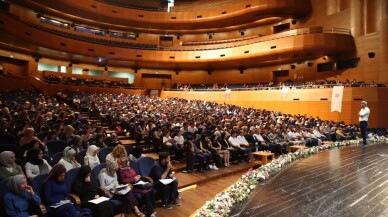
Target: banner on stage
[[336, 98]]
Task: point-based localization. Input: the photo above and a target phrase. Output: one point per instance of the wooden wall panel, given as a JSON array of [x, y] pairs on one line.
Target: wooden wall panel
[[309, 103]]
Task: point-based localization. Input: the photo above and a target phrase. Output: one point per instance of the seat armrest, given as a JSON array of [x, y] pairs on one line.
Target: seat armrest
[[75, 199]]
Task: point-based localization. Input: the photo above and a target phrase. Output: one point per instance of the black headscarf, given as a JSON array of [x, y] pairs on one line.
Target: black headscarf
[[84, 190], [32, 156]]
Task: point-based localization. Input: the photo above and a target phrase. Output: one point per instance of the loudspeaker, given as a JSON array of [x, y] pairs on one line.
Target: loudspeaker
[[371, 55], [70, 64], [135, 70], [293, 22], [292, 66], [106, 68], [242, 33], [309, 64], [210, 36], [209, 72], [36, 59], [241, 71], [177, 72]]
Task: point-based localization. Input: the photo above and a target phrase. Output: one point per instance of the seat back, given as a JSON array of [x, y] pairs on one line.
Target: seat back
[[3, 190], [56, 146], [187, 134], [103, 153], [70, 176], [96, 170], [133, 165], [81, 156], [7, 139], [37, 183], [11, 147], [56, 158], [145, 164], [128, 148]]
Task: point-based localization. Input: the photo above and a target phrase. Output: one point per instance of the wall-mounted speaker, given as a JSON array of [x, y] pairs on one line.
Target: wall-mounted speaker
[[37, 59], [106, 68], [209, 72], [293, 22], [309, 64], [70, 64], [292, 66], [371, 55]]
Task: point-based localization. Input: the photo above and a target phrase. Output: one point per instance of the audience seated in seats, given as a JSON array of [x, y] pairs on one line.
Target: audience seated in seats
[[68, 159], [147, 192], [114, 140], [32, 144], [117, 153], [108, 180], [169, 144], [136, 153], [180, 140], [87, 189], [35, 164], [205, 146], [8, 166], [91, 157], [237, 154], [99, 142], [56, 193], [161, 170], [18, 200], [244, 148], [216, 147], [67, 134], [29, 136], [76, 143]]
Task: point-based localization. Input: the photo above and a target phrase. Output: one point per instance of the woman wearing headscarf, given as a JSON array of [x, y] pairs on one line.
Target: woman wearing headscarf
[[129, 175], [8, 165], [35, 164], [86, 189], [108, 180], [18, 200], [55, 193], [68, 160], [91, 157]]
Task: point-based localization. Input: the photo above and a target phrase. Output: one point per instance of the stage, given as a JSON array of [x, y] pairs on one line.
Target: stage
[[349, 181]]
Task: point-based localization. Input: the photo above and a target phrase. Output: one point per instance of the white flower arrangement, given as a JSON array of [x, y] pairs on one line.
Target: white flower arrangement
[[223, 202]]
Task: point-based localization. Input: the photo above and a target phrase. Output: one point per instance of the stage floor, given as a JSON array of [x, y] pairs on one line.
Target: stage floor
[[350, 181]]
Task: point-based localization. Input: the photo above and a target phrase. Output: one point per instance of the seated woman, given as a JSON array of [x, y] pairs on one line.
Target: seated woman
[[129, 175], [35, 164], [55, 193], [118, 152], [29, 136], [216, 147], [91, 157], [86, 189], [17, 201], [68, 160], [108, 180], [8, 166]]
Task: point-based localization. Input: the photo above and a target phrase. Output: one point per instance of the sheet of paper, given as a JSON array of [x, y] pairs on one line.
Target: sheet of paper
[[165, 181], [98, 200], [141, 182]]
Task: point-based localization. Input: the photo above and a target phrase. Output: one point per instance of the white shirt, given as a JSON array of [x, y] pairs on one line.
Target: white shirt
[[108, 182], [364, 114], [110, 158], [32, 170], [242, 140], [68, 165], [179, 139], [234, 142]]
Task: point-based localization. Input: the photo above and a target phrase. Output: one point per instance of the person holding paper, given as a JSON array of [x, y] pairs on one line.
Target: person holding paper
[[162, 169], [21, 195], [55, 194], [87, 189], [108, 180], [140, 184]]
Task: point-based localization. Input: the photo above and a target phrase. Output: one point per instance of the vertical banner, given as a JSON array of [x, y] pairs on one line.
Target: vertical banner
[[227, 93], [336, 98]]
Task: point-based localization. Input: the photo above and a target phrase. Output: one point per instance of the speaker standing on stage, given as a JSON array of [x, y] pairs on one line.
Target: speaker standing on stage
[[363, 118]]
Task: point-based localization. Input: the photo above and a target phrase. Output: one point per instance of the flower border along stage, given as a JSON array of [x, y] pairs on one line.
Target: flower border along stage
[[222, 203]]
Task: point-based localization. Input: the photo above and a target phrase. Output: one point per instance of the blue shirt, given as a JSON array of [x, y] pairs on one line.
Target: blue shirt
[[54, 192], [17, 206]]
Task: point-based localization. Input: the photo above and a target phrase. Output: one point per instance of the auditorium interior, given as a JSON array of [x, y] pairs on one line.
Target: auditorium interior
[[210, 68]]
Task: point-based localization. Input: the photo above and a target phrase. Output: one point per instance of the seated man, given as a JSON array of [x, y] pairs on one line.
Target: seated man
[[162, 169]]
